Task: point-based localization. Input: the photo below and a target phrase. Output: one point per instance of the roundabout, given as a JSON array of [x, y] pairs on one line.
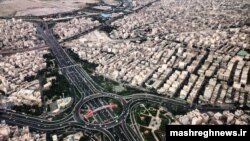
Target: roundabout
[[86, 114]]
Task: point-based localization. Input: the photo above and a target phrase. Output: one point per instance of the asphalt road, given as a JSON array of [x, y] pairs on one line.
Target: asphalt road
[[86, 87], [91, 94]]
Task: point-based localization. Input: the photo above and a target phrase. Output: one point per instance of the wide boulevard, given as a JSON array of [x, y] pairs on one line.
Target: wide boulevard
[[90, 94]]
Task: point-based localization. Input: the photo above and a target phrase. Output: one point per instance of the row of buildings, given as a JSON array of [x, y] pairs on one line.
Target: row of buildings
[[17, 34], [17, 84], [15, 133], [195, 62], [196, 117], [230, 40], [172, 16], [173, 69], [74, 27]]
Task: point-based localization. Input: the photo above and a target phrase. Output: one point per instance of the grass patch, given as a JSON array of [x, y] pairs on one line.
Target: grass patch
[[142, 119], [147, 134], [30, 110]]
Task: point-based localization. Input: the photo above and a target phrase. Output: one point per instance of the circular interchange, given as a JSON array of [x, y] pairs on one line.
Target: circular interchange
[[91, 109], [118, 101]]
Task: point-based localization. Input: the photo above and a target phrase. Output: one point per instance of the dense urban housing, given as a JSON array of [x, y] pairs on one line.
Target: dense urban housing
[[122, 70]]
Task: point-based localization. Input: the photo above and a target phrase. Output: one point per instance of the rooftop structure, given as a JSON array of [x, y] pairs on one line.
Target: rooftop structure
[[60, 104], [196, 117], [14, 133], [15, 73], [74, 27], [184, 52], [17, 34]]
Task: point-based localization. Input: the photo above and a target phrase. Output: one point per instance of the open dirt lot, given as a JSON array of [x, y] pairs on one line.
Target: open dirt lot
[[39, 7]]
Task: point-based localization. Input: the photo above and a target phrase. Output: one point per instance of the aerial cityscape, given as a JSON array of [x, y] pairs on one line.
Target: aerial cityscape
[[121, 70]]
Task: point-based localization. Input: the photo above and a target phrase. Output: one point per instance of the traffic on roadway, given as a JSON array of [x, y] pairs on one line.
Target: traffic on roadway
[[116, 129]]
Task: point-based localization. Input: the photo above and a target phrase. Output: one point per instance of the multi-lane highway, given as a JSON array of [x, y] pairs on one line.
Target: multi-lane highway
[[91, 94], [81, 81], [115, 129], [88, 90]]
